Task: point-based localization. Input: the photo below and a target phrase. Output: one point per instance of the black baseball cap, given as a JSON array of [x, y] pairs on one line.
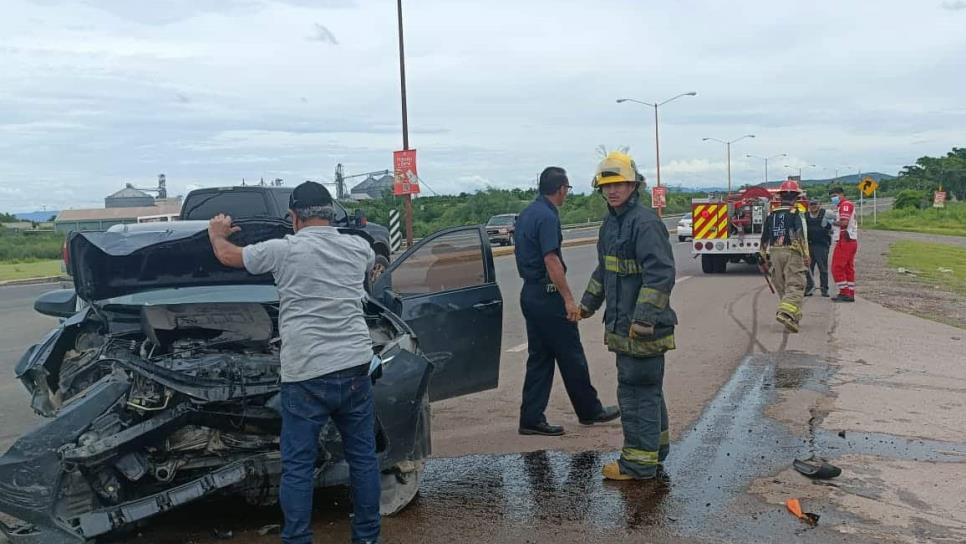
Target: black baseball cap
[[309, 194]]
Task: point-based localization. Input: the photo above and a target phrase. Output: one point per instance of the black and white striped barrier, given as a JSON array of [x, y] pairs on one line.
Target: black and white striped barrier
[[395, 237]]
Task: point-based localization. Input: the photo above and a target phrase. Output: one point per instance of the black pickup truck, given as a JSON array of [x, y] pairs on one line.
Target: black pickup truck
[[250, 202]]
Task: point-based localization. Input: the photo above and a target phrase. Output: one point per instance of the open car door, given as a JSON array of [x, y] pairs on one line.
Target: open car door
[[445, 288]]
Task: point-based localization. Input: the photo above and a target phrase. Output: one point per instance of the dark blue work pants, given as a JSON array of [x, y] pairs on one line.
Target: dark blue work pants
[[552, 338]]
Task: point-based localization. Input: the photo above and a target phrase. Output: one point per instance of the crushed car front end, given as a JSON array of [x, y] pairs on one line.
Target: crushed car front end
[[159, 398]]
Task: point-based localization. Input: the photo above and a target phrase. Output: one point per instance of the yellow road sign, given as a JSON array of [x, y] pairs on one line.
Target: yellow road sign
[[868, 186]]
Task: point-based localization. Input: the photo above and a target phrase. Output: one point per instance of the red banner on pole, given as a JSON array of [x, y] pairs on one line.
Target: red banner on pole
[[659, 197], [406, 181]]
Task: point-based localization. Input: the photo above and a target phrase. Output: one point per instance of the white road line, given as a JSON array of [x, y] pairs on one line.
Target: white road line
[[517, 349], [682, 279]]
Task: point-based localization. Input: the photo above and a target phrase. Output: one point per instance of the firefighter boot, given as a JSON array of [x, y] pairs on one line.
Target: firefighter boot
[[612, 471], [788, 321]]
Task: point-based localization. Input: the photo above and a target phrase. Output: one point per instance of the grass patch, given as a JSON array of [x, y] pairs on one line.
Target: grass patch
[[925, 259], [950, 221], [21, 271]]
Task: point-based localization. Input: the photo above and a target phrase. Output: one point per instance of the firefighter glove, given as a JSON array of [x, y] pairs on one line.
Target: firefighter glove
[[640, 329]]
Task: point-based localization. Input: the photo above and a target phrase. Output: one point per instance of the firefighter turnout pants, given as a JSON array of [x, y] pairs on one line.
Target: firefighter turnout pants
[[640, 394], [843, 266], [788, 277]]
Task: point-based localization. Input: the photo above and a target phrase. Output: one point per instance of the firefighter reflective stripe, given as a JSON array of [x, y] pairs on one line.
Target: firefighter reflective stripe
[[637, 347], [665, 437], [639, 457], [709, 221], [653, 297], [788, 308], [624, 267], [595, 288]]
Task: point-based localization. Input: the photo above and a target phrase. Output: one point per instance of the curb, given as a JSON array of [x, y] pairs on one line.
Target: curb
[[504, 251], [34, 281]]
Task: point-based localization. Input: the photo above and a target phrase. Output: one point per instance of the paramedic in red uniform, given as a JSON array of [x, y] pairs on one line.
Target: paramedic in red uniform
[[845, 237]]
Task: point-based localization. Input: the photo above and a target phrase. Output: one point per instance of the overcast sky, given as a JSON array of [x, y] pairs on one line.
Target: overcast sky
[[96, 93]]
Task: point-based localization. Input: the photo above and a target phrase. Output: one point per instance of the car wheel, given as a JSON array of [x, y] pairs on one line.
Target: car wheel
[[378, 267], [400, 486], [721, 266]]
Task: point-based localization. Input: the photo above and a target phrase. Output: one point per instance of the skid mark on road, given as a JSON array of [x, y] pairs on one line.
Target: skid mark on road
[[753, 331], [517, 349]]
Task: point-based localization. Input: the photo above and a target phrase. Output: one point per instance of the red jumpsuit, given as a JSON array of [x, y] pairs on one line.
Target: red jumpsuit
[[846, 245]]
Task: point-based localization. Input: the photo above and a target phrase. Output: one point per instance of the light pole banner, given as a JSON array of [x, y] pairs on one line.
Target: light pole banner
[[406, 181], [659, 197]]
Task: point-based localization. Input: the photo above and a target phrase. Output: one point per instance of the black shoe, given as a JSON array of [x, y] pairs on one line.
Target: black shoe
[[808, 292], [843, 298], [825, 294], [609, 413], [543, 429]]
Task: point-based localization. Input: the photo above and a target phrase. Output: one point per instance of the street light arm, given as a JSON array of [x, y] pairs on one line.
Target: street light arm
[[742, 138], [622, 100], [692, 93], [714, 140]]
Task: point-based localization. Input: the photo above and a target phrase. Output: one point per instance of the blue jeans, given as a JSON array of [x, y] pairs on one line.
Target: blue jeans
[[306, 408]]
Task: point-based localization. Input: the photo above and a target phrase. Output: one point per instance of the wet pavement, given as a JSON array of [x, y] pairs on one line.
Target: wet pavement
[[552, 496], [555, 496]]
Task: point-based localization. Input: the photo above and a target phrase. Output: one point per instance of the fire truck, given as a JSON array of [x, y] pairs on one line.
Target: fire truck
[[728, 230]]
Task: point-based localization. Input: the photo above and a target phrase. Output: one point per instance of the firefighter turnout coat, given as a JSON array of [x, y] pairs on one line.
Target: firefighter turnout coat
[[634, 276]]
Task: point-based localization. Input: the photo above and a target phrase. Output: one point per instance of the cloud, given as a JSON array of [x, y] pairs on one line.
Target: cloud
[[324, 35], [958, 5]]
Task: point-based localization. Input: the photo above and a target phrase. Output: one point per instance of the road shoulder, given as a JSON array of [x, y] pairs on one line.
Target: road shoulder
[[891, 417]]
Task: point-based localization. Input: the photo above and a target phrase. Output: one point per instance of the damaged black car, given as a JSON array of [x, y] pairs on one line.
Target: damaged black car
[[161, 383]]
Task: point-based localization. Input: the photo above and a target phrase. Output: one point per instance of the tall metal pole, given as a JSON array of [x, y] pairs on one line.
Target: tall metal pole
[[407, 199], [766, 170], [657, 158], [728, 145]]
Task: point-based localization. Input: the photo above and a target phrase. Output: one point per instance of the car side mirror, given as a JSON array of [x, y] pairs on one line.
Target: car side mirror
[[59, 303]]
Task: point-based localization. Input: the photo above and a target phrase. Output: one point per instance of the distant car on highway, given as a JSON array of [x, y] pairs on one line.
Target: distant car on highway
[[500, 228], [684, 228]]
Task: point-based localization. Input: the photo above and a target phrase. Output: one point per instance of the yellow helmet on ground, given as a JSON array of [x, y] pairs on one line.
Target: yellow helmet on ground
[[617, 167]]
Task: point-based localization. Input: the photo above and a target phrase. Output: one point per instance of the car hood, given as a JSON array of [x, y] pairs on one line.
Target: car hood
[[112, 264]]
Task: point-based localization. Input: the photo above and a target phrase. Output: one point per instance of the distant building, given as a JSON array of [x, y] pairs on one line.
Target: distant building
[[372, 187], [128, 197], [100, 219]]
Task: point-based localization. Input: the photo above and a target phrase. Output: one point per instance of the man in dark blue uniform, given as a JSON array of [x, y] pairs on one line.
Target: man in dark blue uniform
[[551, 314]]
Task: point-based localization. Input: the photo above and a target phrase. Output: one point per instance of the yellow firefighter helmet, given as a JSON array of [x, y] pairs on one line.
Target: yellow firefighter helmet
[[617, 167]]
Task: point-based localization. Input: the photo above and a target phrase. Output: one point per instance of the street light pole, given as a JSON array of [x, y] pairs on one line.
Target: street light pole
[[657, 142], [728, 145], [407, 198], [766, 159]]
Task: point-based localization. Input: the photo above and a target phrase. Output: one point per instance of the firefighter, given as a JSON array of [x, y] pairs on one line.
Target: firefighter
[[846, 241], [634, 277], [784, 247]]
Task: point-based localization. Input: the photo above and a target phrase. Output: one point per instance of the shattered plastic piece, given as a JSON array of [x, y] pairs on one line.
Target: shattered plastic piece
[[795, 507], [271, 529], [222, 534], [816, 468]]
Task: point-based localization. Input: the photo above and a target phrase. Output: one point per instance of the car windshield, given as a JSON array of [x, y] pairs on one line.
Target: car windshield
[[500, 220], [197, 294]]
